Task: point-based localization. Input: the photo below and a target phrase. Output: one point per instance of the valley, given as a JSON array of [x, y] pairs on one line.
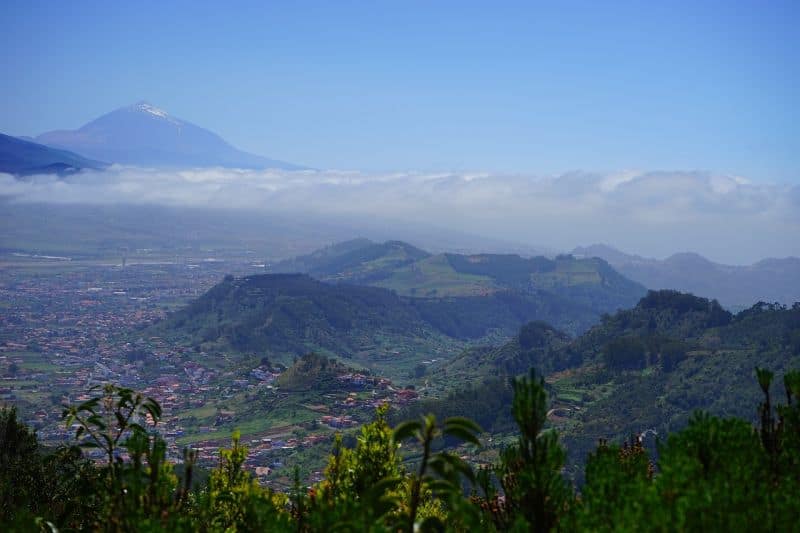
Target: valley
[[288, 360]]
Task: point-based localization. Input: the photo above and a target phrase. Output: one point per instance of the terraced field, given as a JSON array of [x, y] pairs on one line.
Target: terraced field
[[434, 277]]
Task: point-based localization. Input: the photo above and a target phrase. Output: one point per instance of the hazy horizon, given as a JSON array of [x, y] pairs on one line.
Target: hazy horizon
[[652, 214]]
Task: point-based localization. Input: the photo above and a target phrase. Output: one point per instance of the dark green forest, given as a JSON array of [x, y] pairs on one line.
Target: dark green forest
[[647, 368], [715, 474]]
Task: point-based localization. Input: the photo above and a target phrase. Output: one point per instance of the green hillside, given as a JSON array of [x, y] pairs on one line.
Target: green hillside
[[291, 314], [287, 315], [645, 369]]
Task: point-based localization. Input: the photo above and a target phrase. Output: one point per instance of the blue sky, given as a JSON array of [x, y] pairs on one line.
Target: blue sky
[[376, 86]]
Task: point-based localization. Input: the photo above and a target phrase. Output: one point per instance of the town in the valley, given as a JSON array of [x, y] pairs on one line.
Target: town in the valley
[[68, 326]]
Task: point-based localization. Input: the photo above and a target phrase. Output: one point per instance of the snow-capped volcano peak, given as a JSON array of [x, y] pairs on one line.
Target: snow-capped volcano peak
[[149, 110], [154, 112], [144, 107], [143, 134]]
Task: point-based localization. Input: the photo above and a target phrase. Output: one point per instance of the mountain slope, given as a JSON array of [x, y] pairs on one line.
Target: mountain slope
[[501, 313], [142, 134], [22, 158], [737, 287]]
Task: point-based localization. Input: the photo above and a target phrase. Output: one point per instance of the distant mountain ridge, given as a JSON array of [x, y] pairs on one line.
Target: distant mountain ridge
[[415, 273], [737, 287], [22, 157], [142, 134]]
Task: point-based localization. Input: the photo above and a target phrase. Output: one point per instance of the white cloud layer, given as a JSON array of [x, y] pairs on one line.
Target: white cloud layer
[[651, 213]]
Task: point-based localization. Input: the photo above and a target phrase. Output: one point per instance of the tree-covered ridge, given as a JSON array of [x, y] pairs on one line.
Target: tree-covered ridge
[[291, 314], [473, 317], [537, 345], [644, 369], [715, 474], [287, 313], [355, 261], [660, 329], [649, 368]]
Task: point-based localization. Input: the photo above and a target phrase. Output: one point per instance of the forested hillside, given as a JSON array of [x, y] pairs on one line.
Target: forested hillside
[[287, 313], [646, 369], [290, 314]]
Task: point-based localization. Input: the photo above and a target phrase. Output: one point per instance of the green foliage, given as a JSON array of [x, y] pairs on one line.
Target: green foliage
[[36, 482], [486, 403], [103, 420], [586, 285], [142, 493], [625, 353], [535, 334], [441, 472], [671, 353], [312, 371], [537, 345], [19, 464], [714, 475], [536, 493], [360, 489], [360, 260], [509, 269], [462, 297], [678, 364], [617, 495], [234, 501]]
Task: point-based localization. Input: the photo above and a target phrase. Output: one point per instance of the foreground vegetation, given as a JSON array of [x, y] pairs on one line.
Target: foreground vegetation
[[715, 474]]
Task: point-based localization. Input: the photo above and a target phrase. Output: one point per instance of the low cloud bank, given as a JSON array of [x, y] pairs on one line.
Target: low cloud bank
[[650, 213]]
